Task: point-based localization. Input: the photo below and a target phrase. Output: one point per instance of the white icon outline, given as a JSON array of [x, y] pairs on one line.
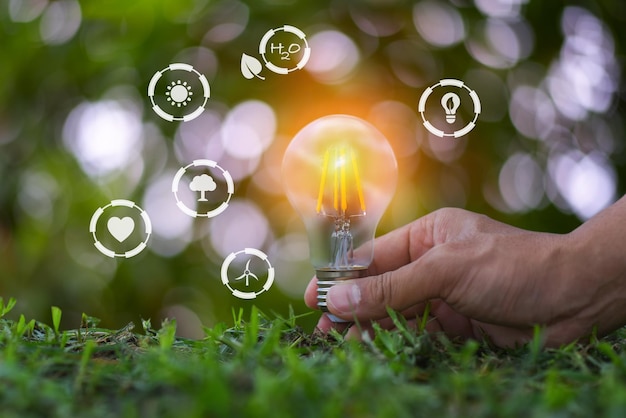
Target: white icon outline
[[449, 82], [290, 29], [238, 293], [247, 274], [116, 203], [212, 213], [178, 67], [450, 103], [121, 228]]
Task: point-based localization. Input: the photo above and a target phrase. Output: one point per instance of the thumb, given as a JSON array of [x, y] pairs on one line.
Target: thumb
[[429, 277]]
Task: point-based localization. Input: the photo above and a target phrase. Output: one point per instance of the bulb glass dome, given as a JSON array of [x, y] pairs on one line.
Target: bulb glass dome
[[340, 174]]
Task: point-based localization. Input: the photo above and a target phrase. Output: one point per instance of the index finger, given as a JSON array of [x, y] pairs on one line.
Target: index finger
[[402, 246], [392, 251]]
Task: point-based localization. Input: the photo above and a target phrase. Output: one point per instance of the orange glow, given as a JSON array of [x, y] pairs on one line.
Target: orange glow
[[320, 196], [347, 192], [336, 188], [342, 167], [357, 180]]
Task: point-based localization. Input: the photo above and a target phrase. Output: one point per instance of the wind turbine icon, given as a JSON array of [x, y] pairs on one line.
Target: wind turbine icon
[[247, 274]]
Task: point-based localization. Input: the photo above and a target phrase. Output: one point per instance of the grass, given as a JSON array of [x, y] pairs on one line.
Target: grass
[[263, 367]]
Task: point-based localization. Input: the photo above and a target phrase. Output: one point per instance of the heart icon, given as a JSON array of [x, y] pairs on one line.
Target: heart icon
[[121, 228]]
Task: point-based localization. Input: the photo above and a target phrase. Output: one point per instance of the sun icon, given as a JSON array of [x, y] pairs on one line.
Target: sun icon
[[179, 93]]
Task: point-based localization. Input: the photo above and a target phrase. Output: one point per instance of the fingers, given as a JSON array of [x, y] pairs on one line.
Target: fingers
[[429, 277], [310, 294], [403, 245], [325, 324], [412, 315], [444, 319], [400, 247], [404, 272]]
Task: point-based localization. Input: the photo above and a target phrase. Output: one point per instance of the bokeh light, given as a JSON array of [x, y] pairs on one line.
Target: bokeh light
[[521, 183], [37, 195], [26, 10], [532, 112], [500, 8], [249, 128], [203, 60], [586, 182], [200, 138], [584, 78], [172, 229], [438, 23], [290, 258], [243, 225], [60, 21], [104, 136], [228, 20], [333, 56], [501, 43]]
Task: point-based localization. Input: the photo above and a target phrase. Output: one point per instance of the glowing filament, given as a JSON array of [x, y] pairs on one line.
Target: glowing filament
[[320, 196], [346, 182]]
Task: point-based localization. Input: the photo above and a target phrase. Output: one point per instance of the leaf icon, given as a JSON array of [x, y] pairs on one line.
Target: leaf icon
[[251, 67]]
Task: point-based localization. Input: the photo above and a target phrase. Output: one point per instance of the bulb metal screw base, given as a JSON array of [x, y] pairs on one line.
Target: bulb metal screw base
[[328, 278]]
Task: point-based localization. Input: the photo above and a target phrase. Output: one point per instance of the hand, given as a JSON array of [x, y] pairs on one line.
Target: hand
[[485, 278]]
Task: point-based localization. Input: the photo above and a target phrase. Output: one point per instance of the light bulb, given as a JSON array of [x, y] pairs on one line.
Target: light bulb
[[450, 103], [340, 174]]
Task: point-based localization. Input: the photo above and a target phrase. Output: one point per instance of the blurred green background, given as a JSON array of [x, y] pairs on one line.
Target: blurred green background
[[77, 130]]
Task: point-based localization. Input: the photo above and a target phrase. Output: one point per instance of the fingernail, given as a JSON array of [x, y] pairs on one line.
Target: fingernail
[[344, 298]]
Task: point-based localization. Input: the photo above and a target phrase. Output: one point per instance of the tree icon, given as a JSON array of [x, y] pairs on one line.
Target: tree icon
[[203, 183]]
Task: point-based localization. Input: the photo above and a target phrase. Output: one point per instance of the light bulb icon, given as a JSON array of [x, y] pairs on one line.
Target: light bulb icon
[[450, 103], [340, 174]]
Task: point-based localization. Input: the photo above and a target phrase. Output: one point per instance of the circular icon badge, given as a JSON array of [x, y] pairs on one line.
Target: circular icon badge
[[121, 229], [203, 184], [451, 91], [247, 275], [177, 89], [284, 49]]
